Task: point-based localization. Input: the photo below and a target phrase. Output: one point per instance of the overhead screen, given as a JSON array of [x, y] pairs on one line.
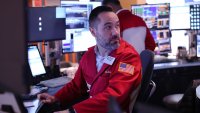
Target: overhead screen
[[180, 17], [46, 24], [185, 17], [157, 18], [78, 37]]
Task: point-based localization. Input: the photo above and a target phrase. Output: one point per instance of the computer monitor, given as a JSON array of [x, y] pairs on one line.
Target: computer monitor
[[156, 16], [192, 1], [36, 65], [157, 19], [195, 17], [35, 61], [198, 45], [78, 37], [13, 58], [162, 38], [179, 36], [180, 17], [46, 24]]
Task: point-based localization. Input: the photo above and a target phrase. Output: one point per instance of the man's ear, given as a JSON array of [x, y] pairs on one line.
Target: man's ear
[[93, 31]]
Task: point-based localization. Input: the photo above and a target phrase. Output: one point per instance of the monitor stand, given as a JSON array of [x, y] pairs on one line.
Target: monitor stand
[[11, 103]]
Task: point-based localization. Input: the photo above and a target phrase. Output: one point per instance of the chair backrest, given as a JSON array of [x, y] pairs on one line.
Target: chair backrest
[[147, 85]]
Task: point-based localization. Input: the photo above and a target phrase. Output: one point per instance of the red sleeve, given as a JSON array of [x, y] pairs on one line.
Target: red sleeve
[[74, 90]]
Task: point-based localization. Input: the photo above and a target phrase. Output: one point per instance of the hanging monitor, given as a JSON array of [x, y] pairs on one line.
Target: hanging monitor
[[156, 16], [180, 17], [46, 24], [78, 37]]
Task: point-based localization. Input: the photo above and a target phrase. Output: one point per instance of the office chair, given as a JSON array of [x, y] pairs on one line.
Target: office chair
[[147, 86], [183, 102], [113, 106]]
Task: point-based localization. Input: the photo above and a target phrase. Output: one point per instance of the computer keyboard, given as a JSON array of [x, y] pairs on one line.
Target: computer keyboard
[[55, 82], [33, 92]]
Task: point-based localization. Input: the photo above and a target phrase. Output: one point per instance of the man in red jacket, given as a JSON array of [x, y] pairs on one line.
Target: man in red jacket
[[111, 68], [133, 28]]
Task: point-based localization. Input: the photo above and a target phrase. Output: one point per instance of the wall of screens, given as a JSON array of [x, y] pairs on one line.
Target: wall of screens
[[157, 18], [78, 37]]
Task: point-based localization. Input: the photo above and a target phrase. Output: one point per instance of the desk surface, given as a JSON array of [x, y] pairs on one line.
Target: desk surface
[[175, 65]]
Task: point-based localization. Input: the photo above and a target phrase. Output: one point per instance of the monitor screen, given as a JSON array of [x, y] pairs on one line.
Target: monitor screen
[[179, 36], [192, 1], [162, 38], [35, 61], [156, 16], [157, 19], [46, 24], [78, 37], [198, 45], [180, 17]]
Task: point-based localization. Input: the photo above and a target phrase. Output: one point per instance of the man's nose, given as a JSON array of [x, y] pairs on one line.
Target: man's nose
[[115, 31]]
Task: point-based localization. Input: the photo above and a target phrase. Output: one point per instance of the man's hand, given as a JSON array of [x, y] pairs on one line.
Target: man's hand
[[46, 98]]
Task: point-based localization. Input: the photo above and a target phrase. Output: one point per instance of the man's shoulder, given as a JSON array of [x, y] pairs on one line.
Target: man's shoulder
[[89, 51], [126, 12], [127, 48], [127, 19]]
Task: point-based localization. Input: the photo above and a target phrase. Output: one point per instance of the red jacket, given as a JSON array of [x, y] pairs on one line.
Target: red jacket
[[112, 80], [129, 20]]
